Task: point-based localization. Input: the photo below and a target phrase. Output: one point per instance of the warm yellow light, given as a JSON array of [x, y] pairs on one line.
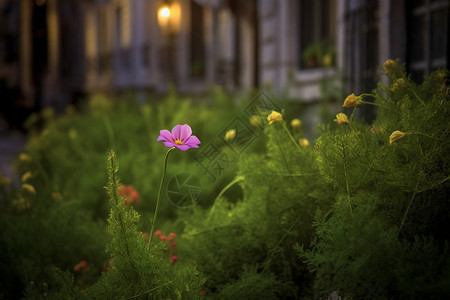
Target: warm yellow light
[[169, 16], [164, 12]]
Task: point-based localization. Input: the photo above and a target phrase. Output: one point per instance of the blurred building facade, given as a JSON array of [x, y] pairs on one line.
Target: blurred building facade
[[53, 51]]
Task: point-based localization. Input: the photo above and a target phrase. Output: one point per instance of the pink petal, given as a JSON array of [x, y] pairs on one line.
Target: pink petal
[[176, 132], [165, 135], [192, 140], [170, 144], [185, 133], [183, 147]]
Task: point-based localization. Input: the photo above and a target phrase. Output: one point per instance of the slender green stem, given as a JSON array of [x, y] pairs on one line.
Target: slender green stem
[[229, 185], [418, 98], [409, 205], [352, 117], [429, 136], [149, 291], [290, 135], [236, 180], [372, 103], [347, 188], [375, 104], [159, 194], [109, 132]]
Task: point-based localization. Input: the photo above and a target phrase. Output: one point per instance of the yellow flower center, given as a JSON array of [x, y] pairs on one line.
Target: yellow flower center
[[178, 142]]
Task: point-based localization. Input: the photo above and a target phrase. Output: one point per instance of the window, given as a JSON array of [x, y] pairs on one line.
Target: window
[[197, 57], [104, 52], [428, 23], [361, 57], [317, 34]]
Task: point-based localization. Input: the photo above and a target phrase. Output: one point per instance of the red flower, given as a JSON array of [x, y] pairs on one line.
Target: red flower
[[173, 244], [173, 259], [103, 270], [158, 233], [129, 194], [203, 292], [82, 266], [172, 236]]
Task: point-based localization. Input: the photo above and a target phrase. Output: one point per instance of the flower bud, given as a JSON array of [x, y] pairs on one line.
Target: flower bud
[[341, 118], [274, 117], [352, 101], [396, 135], [303, 142], [296, 123], [230, 135]]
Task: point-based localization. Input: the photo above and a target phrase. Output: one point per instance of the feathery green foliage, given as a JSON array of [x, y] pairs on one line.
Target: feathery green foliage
[[139, 269], [244, 246], [387, 235]]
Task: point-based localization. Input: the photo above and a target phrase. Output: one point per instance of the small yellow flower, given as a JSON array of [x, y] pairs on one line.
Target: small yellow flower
[[57, 196], [255, 120], [20, 204], [399, 83], [274, 117], [73, 134], [327, 60], [48, 112], [296, 123], [29, 188], [352, 101], [26, 176], [230, 135], [303, 142], [341, 118], [4, 181], [24, 157], [396, 135], [389, 65]]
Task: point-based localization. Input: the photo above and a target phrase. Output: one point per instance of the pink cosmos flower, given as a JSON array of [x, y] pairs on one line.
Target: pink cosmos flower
[[181, 137]]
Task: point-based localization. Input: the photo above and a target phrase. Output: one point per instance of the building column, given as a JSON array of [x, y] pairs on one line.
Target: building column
[[26, 85], [50, 82]]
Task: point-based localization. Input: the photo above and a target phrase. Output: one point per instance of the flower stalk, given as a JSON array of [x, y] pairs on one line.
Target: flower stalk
[[159, 193]]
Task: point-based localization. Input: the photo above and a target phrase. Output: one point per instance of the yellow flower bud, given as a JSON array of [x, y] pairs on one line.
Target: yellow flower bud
[[24, 157], [399, 83], [303, 142], [274, 117], [255, 120], [296, 123], [21, 203], [73, 134], [26, 176], [341, 118], [396, 135], [389, 65], [352, 101], [4, 181], [57, 196], [29, 188], [230, 135]]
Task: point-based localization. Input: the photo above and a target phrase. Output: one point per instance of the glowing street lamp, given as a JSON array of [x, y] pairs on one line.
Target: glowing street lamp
[[169, 17]]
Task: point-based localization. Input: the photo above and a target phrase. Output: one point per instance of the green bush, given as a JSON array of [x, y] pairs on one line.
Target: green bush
[[386, 235], [362, 212]]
